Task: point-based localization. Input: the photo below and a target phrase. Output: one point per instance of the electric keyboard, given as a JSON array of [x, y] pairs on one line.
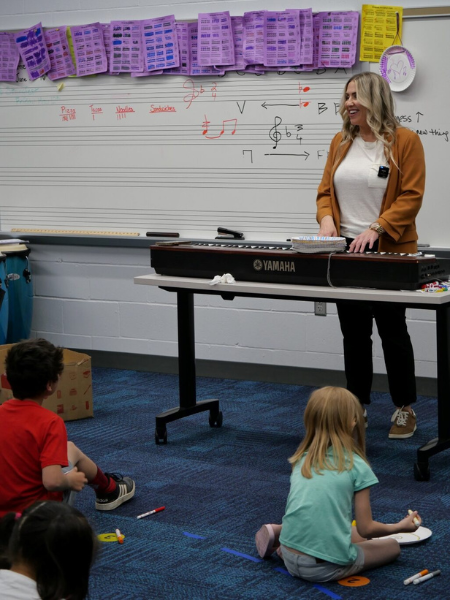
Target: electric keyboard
[[278, 263]]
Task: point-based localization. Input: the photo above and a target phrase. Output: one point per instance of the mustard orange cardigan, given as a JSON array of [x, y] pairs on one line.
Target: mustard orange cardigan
[[402, 199]]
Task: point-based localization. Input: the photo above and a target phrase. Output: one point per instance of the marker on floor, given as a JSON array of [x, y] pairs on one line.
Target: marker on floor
[[416, 520], [120, 536], [151, 512], [426, 577], [416, 576]]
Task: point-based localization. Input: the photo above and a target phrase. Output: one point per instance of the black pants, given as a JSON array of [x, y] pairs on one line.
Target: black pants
[[356, 320]]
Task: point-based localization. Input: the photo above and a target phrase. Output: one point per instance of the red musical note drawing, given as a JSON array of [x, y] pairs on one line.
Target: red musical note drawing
[[304, 90], [206, 123]]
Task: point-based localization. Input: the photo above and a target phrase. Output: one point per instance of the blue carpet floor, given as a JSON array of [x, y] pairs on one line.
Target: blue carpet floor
[[220, 484]]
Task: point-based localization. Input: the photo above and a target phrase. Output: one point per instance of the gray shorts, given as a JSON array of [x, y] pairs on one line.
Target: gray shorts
[[69, 495], [68, 468], [306, 567]]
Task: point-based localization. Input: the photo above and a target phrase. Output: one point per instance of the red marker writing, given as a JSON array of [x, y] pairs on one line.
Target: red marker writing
[[151, 512]]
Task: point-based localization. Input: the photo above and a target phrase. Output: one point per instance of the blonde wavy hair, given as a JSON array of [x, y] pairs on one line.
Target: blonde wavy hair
[[373, 92], [329, 422]]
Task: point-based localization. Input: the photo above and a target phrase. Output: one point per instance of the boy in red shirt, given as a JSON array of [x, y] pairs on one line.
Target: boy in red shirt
[[34, 450]]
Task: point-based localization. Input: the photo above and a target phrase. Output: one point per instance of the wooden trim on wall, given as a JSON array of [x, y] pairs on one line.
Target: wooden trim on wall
[[432, 11]]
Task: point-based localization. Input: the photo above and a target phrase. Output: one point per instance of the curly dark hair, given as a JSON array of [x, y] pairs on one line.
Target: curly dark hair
[[31, 365]]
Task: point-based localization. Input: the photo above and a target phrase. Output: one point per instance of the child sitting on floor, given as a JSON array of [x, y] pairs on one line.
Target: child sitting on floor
[[46, 552], [36, 460], [329, 470]]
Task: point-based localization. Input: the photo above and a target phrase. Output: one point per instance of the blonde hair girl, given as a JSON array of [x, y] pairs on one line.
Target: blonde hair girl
[[333, 418], [330, 473]]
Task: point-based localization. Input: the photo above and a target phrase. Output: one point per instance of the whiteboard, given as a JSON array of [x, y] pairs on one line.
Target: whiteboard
[[168, 153], [423, 107], [187, 155]]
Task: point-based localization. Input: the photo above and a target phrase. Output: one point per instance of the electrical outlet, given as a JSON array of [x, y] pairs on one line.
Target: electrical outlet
[[320, 309]]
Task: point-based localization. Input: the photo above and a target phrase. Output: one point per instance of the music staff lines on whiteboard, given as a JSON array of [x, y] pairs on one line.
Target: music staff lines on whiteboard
[[99, 135], [121, 214], [265, 105], [157, 213], [198, 178], [268, 90], [303, 223], [323, 85], [99, 172], [290, 100]]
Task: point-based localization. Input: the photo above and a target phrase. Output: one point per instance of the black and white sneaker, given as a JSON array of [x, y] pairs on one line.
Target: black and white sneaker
[[125, 488]]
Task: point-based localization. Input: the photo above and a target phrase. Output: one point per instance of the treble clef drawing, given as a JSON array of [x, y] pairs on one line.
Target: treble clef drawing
[[274, 134]]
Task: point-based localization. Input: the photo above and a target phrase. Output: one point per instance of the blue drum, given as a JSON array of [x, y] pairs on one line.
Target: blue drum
[[20, 292], [4, 311]]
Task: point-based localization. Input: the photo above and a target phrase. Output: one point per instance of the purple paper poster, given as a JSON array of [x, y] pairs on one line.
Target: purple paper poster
[[237, 28], [89, 49], [33, 51], [215, 39], [254, 37], [183, 37], [282, 38], [106, 28], [196, 67], [306, 36], [160, 43], [59, 53], [125, 47], [337, 39], [9, 57]]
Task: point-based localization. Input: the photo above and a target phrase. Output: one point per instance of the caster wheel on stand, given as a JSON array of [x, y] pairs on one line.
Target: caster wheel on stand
[[216, 420], [160, 436], [421, 472]]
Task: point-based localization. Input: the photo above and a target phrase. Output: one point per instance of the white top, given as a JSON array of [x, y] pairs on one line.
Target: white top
[[358, 187], [14, 586]]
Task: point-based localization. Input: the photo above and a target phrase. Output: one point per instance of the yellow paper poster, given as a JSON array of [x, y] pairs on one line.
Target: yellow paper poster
[[381, 27], [72, 51]]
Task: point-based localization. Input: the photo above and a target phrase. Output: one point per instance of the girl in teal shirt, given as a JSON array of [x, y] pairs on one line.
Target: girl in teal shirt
[[330, 472]]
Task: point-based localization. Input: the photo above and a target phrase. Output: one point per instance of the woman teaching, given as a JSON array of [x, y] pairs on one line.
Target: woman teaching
[[371, 191]]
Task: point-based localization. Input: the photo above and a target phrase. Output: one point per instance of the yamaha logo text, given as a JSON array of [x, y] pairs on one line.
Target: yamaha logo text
[[285, 266]]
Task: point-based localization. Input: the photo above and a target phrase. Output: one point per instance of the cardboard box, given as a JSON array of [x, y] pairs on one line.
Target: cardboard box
[[73, 398]]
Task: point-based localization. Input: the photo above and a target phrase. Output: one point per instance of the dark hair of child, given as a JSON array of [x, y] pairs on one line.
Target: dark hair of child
[[30, 365], [56, 542]]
